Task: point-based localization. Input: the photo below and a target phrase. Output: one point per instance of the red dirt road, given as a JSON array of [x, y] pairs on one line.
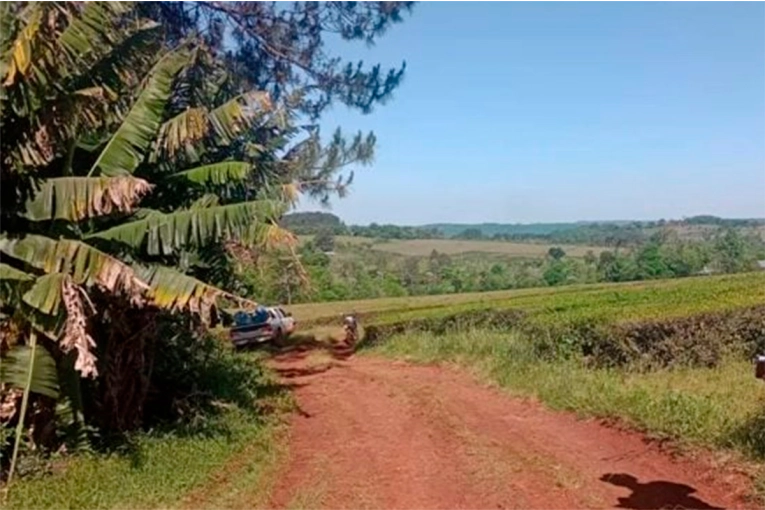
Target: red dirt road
[[373, 433]]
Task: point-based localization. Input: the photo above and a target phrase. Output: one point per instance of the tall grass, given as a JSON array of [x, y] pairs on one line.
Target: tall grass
[[722, 407]]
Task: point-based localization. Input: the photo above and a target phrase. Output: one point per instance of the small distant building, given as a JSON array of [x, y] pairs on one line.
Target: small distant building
[[706, 271]]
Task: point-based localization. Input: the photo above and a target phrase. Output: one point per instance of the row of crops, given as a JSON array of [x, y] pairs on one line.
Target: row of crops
[[691, 322]]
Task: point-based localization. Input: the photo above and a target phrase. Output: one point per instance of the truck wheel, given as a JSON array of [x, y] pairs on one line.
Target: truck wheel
[[279, 338]]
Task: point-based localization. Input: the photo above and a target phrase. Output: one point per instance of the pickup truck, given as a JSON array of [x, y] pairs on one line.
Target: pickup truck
[[271, 324]]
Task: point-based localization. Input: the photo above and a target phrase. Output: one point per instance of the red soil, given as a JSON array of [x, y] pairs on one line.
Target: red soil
[[373, 433]]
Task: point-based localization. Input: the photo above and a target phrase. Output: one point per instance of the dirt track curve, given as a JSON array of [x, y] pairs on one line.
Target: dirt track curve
[[374, 433]]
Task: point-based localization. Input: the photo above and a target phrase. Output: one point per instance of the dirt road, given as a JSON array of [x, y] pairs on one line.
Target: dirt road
[[373, 433]]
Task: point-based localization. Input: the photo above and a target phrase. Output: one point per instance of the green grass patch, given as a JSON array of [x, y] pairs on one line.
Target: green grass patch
[[158, 471]]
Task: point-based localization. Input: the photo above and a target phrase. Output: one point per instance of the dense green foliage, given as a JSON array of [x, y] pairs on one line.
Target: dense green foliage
[[604, 303], [376, 231], [617, 302], [609, 233], [94, 279], [310, 223], [359, 271], [651, 341]]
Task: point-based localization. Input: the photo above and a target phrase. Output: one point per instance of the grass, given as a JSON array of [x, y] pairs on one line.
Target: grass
[[159, 472], [625, 301], [720, 407]]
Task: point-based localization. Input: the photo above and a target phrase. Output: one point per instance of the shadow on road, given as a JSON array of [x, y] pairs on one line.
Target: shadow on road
[[291, 373], [292, 356], [298, 347], [656, 495]]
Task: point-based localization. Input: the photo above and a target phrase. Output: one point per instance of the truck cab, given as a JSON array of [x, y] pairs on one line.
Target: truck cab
[[266, 324]]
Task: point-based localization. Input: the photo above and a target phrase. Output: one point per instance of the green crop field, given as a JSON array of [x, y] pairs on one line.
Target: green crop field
[[622, 301]]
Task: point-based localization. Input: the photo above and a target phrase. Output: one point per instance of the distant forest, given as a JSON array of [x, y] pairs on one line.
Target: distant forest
[[341, 269], [609, 233]]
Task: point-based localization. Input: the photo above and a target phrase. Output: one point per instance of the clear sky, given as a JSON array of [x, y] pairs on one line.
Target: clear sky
[[535, 112]]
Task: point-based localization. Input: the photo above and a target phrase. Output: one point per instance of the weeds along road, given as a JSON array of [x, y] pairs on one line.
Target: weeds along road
[[374, 433]]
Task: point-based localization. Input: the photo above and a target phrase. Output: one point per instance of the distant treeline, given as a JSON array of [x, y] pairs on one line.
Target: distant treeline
[[613, 234], [315, 223], [343, 271], [547, 230]]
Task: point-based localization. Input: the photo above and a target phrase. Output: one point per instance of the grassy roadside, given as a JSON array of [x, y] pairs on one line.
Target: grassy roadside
[[207, 462], [158, 472], [721, 407]]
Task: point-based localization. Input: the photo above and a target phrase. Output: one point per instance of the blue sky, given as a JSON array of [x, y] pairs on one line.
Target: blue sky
[[535, 112]]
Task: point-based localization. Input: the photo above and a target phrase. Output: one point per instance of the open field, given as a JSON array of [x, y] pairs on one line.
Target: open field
[[424, 247], [675, 297]]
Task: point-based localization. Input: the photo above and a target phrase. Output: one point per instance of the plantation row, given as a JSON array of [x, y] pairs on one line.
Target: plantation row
[[695, 322], [617, 302]]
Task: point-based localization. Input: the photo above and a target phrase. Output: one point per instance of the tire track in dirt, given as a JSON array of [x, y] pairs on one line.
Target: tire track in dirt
[[374, 433], [363, 443]]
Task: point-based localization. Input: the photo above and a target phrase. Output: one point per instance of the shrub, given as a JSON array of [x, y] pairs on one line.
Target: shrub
[[195, 375], [696, 340]]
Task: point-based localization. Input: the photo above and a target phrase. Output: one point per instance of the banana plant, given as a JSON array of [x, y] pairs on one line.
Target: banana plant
[[109, 171]]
